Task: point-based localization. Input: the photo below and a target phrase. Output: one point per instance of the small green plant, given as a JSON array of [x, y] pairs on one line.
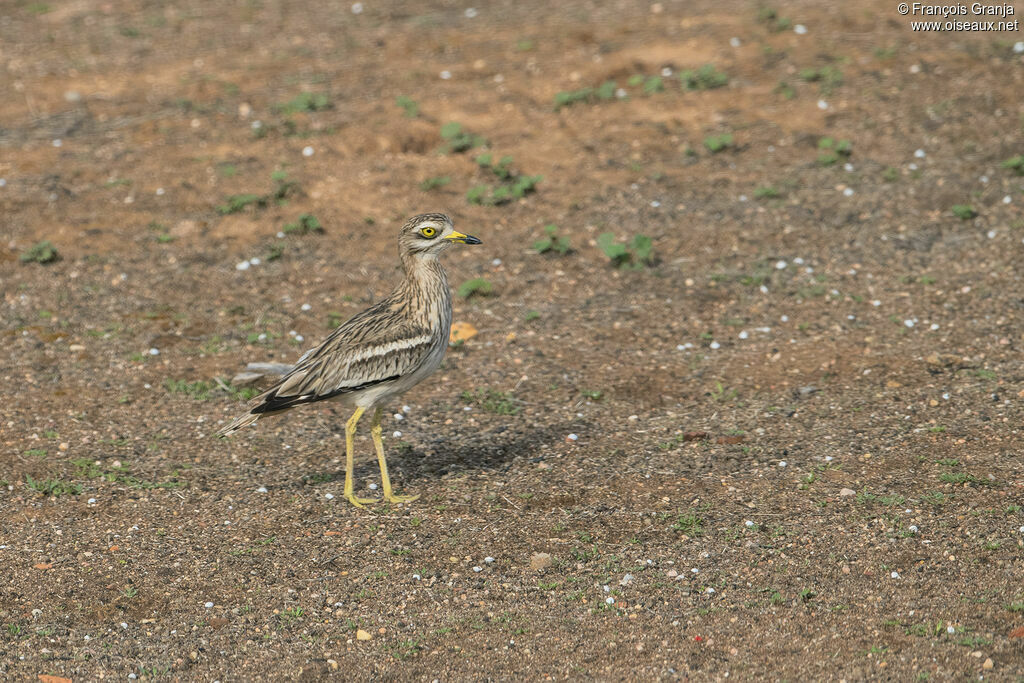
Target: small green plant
[[459, 140], [52, 487], [198, 390], [408, 106], [552, 242], [770, 17], [477, 286], [40, 252], [36, 452], [718, 143], [605, 91], [767, 192], [307, 223], [964, 212], [238, 202], [831, 150], [634, 255], [653, 84], [785, 90], [435, 182], [827, 77], [130, 592], [492, 401], [531, 315], [890, 174], [706, 77], [305, 102], [1015, 164], [807, 594], [690, 524]]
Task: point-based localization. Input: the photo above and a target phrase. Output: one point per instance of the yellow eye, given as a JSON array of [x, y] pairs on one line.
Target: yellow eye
[[428, 232]]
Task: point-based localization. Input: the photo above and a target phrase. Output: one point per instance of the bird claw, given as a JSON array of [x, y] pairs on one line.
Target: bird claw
[[360, 502], [401, 499]]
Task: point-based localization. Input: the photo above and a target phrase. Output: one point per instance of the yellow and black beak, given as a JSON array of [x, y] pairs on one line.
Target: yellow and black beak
[[456, 236]]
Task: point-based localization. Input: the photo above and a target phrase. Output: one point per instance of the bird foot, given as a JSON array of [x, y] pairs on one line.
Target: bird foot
[[392, 498], [360, 502]]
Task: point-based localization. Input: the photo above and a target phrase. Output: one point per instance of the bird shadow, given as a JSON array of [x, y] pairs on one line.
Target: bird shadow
[[494, 450]]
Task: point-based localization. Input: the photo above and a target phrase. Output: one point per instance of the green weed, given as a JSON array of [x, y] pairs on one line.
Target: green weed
[[706, 77], [40, 252], [552, 242], [633, 255], [476, 286]]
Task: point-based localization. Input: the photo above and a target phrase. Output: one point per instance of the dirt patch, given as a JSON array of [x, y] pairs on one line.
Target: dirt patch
[[779, 440]]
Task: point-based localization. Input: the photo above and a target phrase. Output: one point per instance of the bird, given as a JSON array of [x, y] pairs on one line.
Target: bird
[[379, 353]]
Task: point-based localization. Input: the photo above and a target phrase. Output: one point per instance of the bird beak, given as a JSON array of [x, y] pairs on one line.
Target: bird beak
[[462, 239]]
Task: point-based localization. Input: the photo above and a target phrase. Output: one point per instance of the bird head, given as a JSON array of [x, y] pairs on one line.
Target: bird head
[[429, 234]]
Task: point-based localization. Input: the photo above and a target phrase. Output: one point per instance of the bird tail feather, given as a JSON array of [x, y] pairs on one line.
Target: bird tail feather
[[239, 422]]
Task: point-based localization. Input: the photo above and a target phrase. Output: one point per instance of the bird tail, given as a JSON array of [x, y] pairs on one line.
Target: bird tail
[[239, 422]]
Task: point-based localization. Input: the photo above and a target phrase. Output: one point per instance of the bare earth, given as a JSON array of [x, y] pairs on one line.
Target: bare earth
[[789, 447]]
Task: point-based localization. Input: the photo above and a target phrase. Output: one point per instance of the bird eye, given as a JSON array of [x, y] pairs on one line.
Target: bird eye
[[428, 232]]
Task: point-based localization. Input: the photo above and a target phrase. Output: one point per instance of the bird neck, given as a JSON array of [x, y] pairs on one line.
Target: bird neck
[[426, 281]]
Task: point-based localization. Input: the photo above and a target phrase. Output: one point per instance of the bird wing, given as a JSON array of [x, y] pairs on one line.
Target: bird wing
[[371, 348]]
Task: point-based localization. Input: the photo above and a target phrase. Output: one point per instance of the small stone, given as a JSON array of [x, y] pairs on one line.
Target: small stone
[[76, 347], [988, 664], [363, 635], [847, 492], [244, 379], [540, 561]]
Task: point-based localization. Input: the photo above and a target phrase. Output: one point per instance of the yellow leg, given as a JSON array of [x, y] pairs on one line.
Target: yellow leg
[[350, 432], [375, 430]]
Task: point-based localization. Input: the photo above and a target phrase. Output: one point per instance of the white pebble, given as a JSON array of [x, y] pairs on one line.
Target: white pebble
[[798, 260], [397, 434], [848, 167], [991, 234], [912, 528], [655, 204], [714, 345], [496, 262], [934, 326], [782, 463], [208, 605], [912, 166], [406, 409], [945, 396], [748, 523], [242, 265], [262, 336], [329, 496], [709, 590], [695, 570], [876, 303], [307, 151], [488, 559], [446, 75], [572, 437], [398, 416], [951, 629], [621, 93], [470, 12], [254, 261], [58, 142], [1007, 199], [280, 235], [154, 352], [357, 8], [735, 42], [609, 600], [908, 323], [478, 569], [372, 487], [159, 192], [92, 501], [822, 105], [829, 458], [784, 318], [895, 575], [666, 72], [299, 338], [1018, 47], [3, 182], [306, 307], [743, 197], [743, 334], [124, 625], [848, 192], [800, 29], [416, 577], [764, 290], [780, 265], [983, 179], [919, 154], [262, 489]]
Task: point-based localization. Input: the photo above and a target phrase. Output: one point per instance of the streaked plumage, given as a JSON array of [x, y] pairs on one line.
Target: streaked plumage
[[383, 351]]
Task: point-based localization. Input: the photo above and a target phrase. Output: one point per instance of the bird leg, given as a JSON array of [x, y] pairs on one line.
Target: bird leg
[[378, 443], [350, 432]]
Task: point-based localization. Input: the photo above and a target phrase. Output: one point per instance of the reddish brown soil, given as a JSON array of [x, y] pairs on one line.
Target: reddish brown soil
[[779, 350]]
